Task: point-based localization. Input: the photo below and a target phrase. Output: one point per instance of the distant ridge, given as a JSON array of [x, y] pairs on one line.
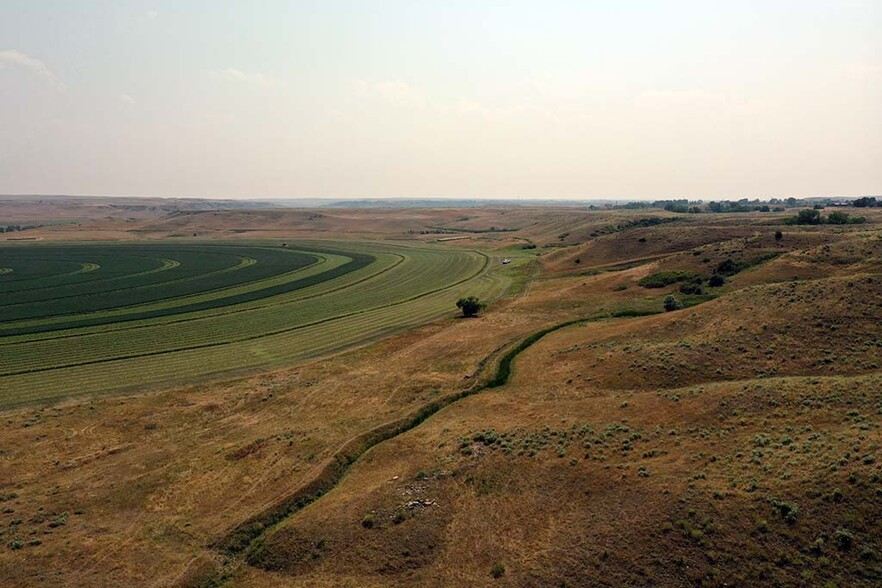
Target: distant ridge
[[144, 201], [460, 203]]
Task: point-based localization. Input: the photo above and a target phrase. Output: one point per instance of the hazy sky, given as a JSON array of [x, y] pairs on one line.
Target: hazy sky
[[558, 99]]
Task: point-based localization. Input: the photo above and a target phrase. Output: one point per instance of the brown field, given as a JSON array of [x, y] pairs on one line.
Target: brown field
[[734, 442]]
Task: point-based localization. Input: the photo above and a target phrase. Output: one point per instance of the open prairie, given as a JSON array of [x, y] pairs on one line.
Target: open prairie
[[287, 398]]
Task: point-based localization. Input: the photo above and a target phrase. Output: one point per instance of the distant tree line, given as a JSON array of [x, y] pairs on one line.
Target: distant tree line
[[685, 206], [14, 228], [430, 232], [812, 216], [867, 202]]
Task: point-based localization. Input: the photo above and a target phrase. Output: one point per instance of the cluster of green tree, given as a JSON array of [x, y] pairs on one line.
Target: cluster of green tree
[[693, 283], [670, 205], [645, 222], [14, 228], [639, 223], [742, 205], [430, 232], [812, 216], [666, 278], [626, 206], [730, 267], [682, 206], [867, 202], [695, 286]]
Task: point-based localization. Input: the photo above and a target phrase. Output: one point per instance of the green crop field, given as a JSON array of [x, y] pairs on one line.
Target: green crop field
[[84, 319]]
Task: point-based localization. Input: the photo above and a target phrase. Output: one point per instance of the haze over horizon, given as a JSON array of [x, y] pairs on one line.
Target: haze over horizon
[[355, 100]]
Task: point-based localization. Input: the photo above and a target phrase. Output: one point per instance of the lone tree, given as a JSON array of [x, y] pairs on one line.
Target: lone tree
[[470, 306], [778, 235]]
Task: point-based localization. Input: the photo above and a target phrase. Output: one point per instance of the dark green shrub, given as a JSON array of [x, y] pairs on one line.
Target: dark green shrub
[[844, 539], [789, 511], [666, 278], [728, 267], [470, 305], [672, 303], [691, 288], [497, 571], [837, 218], [716, 281], [809, 216]]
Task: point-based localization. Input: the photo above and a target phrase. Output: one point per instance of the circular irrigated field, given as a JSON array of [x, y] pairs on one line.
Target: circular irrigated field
[[82, 319]]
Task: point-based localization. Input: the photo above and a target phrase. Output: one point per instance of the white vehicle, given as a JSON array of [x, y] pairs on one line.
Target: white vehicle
[[506, 261]]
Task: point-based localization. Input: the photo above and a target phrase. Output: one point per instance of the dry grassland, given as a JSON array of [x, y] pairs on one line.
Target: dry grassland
[[733, 442]]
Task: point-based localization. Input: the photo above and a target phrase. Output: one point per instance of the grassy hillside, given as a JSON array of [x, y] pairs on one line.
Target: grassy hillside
[[735, 441]]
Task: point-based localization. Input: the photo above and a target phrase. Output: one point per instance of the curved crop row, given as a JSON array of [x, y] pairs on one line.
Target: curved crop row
[[382, 264], [178, 301], [402, 287], [411, 280], [200, 270]]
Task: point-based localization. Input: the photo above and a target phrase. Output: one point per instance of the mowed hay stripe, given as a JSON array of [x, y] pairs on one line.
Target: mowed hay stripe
[[245, 281], [332, 334], [311, 291], [159, 347], [185, 366], [51, 355]]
